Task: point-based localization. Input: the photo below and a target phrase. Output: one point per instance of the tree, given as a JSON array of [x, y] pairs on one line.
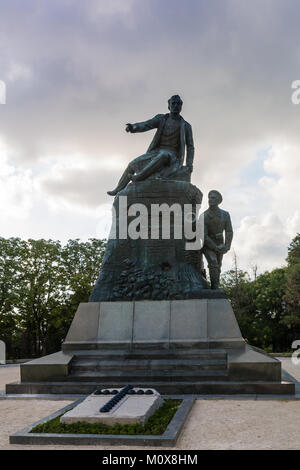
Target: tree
[[269, 291], [294, 251], [81, 263], [259, 308], [236, 284], [41, 292], [292, 299], [10, 271], [41, 285], [292, 296]]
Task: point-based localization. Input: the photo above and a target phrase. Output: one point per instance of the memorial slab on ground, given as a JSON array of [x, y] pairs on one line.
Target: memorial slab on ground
[[131, 409]]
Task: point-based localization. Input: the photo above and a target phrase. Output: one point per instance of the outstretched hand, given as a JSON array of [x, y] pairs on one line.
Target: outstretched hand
[[129, 127]]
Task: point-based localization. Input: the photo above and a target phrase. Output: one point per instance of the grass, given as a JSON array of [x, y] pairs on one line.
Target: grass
[[156, 424]]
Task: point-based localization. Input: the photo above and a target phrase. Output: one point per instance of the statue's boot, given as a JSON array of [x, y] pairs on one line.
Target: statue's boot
[[150, 168], [125, 179], [214, 275]]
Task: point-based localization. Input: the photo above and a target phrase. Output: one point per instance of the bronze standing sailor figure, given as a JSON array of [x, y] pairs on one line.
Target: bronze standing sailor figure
[[216, 221]]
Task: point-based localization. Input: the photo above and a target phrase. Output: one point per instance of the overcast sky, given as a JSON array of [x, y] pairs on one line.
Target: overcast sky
[[76, 71]]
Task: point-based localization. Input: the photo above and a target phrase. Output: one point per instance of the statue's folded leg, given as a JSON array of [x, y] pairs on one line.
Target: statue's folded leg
[[133, 167], [154, 165]]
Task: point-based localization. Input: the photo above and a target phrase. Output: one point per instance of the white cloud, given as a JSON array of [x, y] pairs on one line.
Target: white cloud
[[293, 224], [261, 241], [113, 7], [18, 71], [16, 188], [104, 217], [282, 184], [272, 201]]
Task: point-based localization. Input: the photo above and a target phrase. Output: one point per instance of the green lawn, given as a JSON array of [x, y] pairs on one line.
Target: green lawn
[[155, 425]]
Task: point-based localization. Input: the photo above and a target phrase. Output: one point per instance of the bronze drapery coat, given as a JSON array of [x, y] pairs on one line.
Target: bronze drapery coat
[[186, 135]]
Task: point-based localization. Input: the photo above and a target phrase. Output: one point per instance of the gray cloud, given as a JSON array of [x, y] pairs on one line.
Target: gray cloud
[[91, 73], [81, 186]]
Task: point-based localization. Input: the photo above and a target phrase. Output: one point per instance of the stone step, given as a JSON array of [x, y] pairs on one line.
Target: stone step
[[149, 364], [171, 388], [137, 376], [153, 354]]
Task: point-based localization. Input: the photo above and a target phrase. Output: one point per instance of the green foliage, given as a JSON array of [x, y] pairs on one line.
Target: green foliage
[[292, 295], [236, 285], [156, 424], [259, 307], [271, 332], [292, 299], [268, 306], [41, 285], [11, 255]]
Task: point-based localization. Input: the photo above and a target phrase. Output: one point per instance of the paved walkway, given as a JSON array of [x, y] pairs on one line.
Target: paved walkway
[[237, 423]]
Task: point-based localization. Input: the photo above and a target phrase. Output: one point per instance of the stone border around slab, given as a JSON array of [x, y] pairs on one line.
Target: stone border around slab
[[250, 396], [26, 396], [169, 438]]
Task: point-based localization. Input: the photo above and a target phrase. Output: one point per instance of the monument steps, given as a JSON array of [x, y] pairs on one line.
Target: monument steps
[[122, 354], [170, 365], [148, 375]]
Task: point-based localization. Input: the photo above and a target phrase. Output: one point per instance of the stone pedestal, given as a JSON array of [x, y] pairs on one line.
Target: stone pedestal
[[149, 268], [201, 323]]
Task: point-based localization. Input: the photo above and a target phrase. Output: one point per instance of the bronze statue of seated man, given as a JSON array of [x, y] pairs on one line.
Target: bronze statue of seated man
[[165, 155]]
